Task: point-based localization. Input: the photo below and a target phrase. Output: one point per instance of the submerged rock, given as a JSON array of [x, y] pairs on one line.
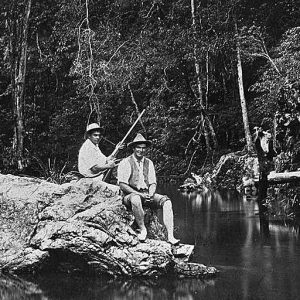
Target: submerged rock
[[80, 227]]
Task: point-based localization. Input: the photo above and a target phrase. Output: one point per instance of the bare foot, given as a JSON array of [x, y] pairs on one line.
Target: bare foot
[[142, 235], [173, 241]]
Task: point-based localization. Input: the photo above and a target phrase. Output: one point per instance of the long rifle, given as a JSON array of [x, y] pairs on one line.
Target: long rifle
[[114, 153], [116, 150]]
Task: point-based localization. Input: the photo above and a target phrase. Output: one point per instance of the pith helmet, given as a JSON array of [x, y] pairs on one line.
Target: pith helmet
[[139, 139]]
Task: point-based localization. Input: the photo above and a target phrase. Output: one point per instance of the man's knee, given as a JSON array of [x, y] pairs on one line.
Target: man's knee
[[135, 200], [166, 203]]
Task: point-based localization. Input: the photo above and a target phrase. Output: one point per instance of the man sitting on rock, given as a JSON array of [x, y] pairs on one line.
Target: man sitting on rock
[[137, 180], [92, 163]]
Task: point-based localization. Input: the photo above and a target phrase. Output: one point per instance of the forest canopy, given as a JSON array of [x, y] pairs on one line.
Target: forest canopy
[[65, 64]]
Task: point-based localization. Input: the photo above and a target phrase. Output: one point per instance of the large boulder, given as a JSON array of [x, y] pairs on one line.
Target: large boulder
[[80, 227]]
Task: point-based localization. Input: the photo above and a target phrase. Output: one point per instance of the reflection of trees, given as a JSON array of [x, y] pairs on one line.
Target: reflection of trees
[[218, 200], [229, 231], [268, 256], [201, 207], [167, 288], [185, 221], [207, 208], [186, 288], [65, 287], [12, 287], [251, 223]]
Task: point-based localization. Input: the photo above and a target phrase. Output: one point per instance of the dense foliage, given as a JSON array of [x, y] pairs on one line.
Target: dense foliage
[[103, 61]]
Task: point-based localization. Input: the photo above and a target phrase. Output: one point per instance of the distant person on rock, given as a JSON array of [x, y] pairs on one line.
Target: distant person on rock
[[92, 163], [137, 180]]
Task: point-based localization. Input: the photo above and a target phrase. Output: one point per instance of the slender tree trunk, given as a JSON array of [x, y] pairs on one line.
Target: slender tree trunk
[[207, 79], [18, 29], [136, 106], [242, 99], [208, 130], [224, 87], [196, 63]]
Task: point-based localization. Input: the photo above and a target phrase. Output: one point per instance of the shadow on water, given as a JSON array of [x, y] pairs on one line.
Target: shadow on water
[[258, 259]]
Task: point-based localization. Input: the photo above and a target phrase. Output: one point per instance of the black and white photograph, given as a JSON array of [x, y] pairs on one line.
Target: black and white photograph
[[149, 149]]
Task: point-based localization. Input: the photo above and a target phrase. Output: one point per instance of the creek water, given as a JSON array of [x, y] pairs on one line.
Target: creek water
[[256, 260]]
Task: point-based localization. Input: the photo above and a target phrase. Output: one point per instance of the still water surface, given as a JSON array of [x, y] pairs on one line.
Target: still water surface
[[226, 231]]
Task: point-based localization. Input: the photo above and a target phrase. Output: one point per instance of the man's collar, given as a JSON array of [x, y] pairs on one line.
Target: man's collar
[[93, 145], [138, 161]]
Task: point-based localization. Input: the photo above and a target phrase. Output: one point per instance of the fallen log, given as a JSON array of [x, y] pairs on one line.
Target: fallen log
[[81, 227], [283, 177]]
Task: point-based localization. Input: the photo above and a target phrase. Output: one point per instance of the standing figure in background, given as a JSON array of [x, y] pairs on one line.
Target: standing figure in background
[[92, 163], [137, 180]]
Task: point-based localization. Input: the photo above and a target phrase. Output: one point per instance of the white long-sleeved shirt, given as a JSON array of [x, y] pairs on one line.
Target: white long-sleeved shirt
[[89, 156]]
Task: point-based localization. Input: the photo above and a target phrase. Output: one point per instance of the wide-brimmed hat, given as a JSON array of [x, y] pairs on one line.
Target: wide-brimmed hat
[[93, 127], [139, 139]]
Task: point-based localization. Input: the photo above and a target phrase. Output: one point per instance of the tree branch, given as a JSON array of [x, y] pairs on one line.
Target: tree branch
[[135, 105]]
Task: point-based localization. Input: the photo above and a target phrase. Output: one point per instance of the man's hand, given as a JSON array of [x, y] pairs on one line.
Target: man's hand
[[120, 146], [144, 195], [148, 198], [110, 163]]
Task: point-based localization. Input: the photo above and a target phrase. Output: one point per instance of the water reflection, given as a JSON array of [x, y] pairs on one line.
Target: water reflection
[[12, 287], [258, 258], [67, 287]]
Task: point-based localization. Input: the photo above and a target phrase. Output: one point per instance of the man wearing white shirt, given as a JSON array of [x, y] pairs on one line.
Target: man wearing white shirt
[[137, 180], [92, 163]]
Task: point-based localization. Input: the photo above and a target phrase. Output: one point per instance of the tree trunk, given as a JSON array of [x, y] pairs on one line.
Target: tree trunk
[[208, 130], [242, 98], [18, 30], [207, 79], [264, 170], [136, 106]]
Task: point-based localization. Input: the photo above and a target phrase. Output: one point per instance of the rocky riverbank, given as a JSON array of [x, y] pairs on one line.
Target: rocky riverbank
[[79, 227]]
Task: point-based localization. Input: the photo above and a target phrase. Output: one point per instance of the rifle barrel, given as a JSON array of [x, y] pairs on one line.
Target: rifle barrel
[[128, 132], [114, 153]]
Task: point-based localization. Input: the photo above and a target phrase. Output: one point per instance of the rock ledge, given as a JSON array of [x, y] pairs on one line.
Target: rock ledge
[[80, 227]]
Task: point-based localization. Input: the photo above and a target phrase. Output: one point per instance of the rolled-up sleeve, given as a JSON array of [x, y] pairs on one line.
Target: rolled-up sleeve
[[124, 170], [152, 175]]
